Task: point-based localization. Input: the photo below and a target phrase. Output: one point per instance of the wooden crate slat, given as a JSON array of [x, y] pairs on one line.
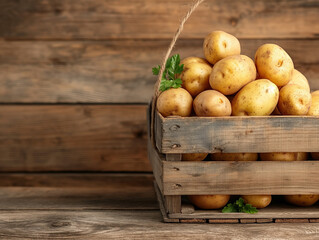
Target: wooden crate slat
[[237, 178], [173, 203], [239, 134], [156, 163]]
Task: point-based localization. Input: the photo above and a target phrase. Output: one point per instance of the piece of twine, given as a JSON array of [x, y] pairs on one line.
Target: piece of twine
[[168, 53]]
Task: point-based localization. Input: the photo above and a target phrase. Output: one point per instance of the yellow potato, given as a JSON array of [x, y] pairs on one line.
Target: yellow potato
[[230, 74], [294, 100], [299, 79], [209, 201], [194, 156], [175, 102], [257, 201], [315, 93], [211, 103], [274, 63], [284, 156], [234, 156], [218, 45], [195, 77], [188, 60], [315, 155], [314, 107], [302, 200], [258, 98]]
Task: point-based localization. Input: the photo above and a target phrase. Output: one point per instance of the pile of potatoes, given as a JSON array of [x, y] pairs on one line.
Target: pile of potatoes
[[226, 83]]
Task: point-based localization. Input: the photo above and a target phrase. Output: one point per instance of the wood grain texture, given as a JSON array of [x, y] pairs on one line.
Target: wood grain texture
[[129, 224], [117, 71], [95, 19], [76, 191], [73, 138], [241, 178], [239, 134], [173, 203]]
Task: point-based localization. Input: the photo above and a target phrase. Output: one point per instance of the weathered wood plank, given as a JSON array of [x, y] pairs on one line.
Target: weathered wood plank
[[95, 19], [240, 134], [136, 225], [109, 71], [157, 165], [173, 203], [73, 138], [237, 178], [76, 180]]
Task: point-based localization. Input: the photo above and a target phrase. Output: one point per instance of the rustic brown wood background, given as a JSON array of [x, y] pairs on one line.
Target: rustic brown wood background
[[75, 75]]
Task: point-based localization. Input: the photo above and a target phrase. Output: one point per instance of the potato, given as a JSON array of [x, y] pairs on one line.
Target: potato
[[257, 201], [211, 103], [195, 77], [299, 79], [302, 200], [194, 156], [175, 102], [315, 155], [284, 156], [258, 98], [230, 74], [218, 45], [314, 107], [294, 100], [274, 63], [234, 156], [188, 60], [209, 201]]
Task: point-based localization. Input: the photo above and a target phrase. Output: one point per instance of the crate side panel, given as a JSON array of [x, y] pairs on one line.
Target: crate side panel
[[240, 134], [236, 178]]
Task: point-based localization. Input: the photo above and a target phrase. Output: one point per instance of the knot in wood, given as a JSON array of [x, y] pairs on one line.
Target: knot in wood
[[174, 127], [175, 146], [60, 224]]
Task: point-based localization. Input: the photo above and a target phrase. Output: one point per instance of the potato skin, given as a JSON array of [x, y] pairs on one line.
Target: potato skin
[[299, 79], [218, 45], [258, 98], [284, 156], [188, 60], [274, 63], [302, 200], [294, 100], [234, 156], [194, 156], [257, 201], [209, 201], [195, 77], [211, 103], [175, 102], [314, 107], [230, 74]]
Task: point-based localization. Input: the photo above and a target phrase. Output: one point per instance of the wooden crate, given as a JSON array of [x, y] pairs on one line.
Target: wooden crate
[[175, 178]]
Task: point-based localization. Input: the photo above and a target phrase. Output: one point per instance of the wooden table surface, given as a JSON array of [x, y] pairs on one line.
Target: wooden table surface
[[109, 206]]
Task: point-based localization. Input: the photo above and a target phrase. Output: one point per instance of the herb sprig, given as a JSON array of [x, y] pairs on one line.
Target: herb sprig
[[239, 206], [171, 71]]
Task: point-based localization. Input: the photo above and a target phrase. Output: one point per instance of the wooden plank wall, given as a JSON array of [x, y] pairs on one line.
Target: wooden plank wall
[[75, 75]]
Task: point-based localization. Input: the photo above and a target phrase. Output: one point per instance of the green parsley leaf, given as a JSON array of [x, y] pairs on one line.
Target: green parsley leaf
[[156, 70], [239, 206], [170, 74], [230, 208]]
